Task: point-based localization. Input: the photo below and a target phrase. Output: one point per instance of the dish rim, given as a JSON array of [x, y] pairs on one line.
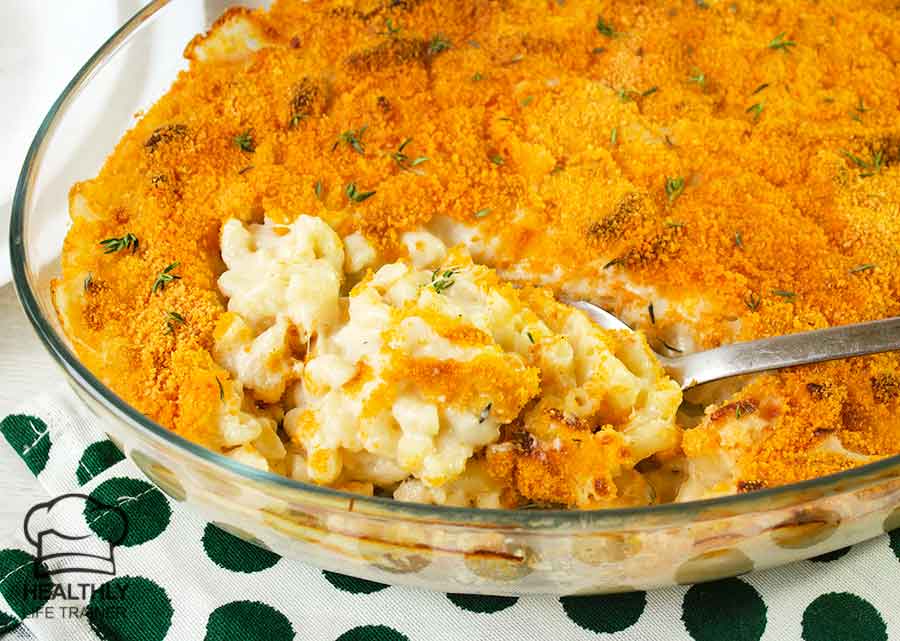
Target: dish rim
[[55, 344]]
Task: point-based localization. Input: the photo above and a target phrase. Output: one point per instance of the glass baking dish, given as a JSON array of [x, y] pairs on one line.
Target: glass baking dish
[[440, 548]]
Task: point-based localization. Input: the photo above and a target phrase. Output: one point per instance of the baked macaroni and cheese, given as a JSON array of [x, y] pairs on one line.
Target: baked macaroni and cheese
[[333, 250]]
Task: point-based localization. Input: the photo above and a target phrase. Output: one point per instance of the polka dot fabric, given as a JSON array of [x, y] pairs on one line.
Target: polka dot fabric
[[181, 578]]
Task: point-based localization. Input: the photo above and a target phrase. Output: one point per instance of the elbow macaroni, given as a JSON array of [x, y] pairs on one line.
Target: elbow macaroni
[[432, 378]]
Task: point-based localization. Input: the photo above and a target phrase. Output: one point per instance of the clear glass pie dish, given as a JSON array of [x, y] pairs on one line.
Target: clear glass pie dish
[[441, 548]]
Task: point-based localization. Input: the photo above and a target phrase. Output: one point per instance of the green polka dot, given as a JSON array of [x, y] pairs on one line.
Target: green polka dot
[[7, 624], [97, 458], [352, 584], [30, 438], [831, 556], [606, 613], [728, 609], [128, 608], [482, 603], [24, 593], [841, 616], [146, 510], [248, 621], [233, 553], [372, 633]]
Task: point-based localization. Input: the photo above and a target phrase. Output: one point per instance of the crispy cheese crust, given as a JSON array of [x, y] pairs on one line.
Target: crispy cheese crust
[[641, 153]]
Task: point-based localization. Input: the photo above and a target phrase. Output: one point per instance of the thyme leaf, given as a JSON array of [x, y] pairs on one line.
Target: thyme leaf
[[173, 318], [442, 281], [438, 44], [783, 293], [245, 141], [355, 195], [112, 245], [164, 277], [353, 138], [779, 42], [674, 188], [756, 109], [699, 77], [403, 160], [605, 28]]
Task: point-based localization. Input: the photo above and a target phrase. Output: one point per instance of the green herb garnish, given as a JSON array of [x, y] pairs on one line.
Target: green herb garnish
[[482, 212], [221, 389], [614, 136], [784, 294], [352, 137], [614, 262], [497, 159], [318, 189], [442, 281], [605, 28], [756, 109], [652, 314], [862, 268], [477, 77], [738, 240], [778, 42], [88, 281], [355, 195], [871, 168], [674, 188], [530, 337], [112, 245], [699, 77], [173, 318], [752, 301], [405, 162], [650, 92], [245, 141], [390, 29], [527, 100], [164, 277], [438, 44], [485, 413]]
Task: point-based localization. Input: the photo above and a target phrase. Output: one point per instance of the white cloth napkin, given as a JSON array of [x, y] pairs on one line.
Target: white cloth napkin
[[179, 578]]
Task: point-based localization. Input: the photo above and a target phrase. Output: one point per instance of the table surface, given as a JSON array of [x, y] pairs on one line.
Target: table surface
[[26, 367]]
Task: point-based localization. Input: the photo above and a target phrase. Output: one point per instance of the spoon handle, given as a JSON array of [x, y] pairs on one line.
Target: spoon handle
[[785, 351]]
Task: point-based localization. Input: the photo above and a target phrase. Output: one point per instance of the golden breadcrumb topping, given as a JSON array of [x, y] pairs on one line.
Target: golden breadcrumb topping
[[710, 169]]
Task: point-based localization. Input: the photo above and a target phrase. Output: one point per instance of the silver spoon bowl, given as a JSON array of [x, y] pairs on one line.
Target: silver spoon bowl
[[766, 354]]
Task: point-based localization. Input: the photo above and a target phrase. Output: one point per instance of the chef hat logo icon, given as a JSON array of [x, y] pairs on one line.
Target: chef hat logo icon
[[61, 531]]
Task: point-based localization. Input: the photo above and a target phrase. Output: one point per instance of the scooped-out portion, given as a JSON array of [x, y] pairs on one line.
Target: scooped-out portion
[[428, 377]]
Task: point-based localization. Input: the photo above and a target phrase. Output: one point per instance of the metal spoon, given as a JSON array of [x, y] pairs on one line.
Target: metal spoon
[[767, 353]]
